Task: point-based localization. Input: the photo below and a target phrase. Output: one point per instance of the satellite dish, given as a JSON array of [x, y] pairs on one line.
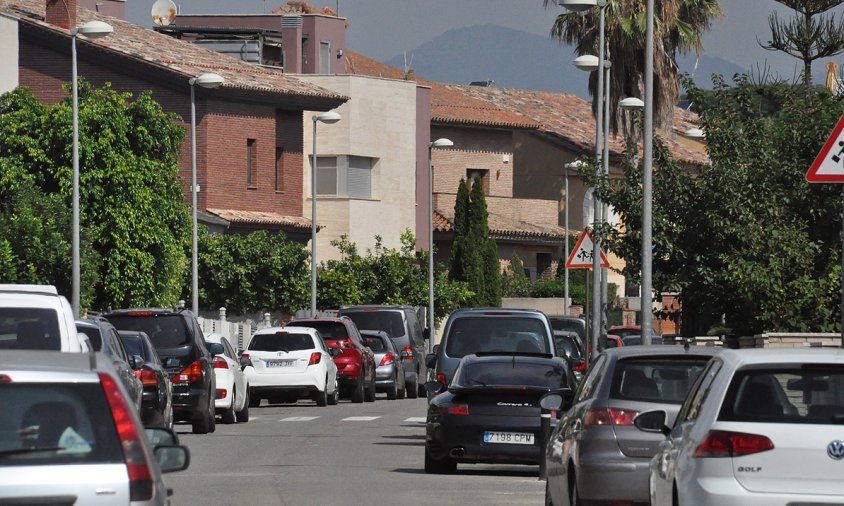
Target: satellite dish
[[163, 12]]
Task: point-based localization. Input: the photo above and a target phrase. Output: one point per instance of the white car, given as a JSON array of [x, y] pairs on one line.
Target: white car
[[232, 397], [759, 427], [36, 317], [290, 363]]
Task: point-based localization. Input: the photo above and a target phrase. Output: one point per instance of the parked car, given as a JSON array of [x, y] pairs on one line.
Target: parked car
[[355, 362], [232, 397], [632, 340], [402, 324], [68, 435], [759, 427], [179, 341], [490, 412], [595, 454], [389, 369], [613, 341], [474, 330], [623, 331], [103, 337], [36, 317], [291, 363], [574, 324], [157, 397]]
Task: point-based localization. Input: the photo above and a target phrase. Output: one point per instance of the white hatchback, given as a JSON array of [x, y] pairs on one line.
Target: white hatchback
[[36, 317], [231, 399], [759, 427], [290, 363]]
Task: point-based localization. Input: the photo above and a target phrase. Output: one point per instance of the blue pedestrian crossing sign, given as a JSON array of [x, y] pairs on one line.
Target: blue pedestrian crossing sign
[[582, 254], [828, 167]]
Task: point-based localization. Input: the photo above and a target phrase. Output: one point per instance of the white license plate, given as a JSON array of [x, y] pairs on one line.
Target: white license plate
[[281, 363], [515, 438]]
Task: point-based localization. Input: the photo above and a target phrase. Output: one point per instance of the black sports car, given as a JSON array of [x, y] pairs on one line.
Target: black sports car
[[490, 412]]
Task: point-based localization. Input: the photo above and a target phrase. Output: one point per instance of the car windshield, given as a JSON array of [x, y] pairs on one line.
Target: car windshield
[[56, 424], [281, 341], [328, 330], [29, 328], [665, 380], [164, 330], [566, 345], [510, 372], [496, 334], [388, 321], [812, 394], [569, 326]]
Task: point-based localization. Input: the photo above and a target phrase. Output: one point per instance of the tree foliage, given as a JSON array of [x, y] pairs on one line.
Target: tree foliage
[[514, 282], [134, 224]]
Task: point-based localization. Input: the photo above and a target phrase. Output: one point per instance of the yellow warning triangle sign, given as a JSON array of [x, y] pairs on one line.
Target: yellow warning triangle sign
[[581, 255]]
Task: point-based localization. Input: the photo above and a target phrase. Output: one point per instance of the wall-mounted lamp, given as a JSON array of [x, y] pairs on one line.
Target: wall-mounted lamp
[[340, 53]]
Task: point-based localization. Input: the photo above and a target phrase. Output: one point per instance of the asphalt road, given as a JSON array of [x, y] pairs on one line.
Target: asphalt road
[[349, 454]]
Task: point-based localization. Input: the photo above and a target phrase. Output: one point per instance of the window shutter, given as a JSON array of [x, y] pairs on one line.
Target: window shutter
[[359, 177]]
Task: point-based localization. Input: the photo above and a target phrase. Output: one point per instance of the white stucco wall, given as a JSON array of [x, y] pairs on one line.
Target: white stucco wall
[[8, 54], [379, 121]]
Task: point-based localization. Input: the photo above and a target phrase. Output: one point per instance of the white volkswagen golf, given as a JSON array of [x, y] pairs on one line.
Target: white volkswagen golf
[[760, 427], [290, 363]]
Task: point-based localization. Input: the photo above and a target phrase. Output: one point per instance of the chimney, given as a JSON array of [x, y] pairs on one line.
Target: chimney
[[61, 13], [291, 43]]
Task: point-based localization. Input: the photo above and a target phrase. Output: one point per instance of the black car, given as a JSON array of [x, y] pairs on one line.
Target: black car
[[570, 347], [490, 412], [157, 400], [104, 338], [179, 341]]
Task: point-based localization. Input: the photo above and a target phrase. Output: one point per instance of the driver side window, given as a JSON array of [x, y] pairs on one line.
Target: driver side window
[[587, 387], [698, 394]]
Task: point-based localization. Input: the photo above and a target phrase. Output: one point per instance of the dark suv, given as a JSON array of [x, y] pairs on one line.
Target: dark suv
[[356, 364], [402, 324], [179, 341]]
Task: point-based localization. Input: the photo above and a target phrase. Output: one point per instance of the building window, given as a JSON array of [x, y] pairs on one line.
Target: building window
[[251, 165], [482, 174], [345, 176], [326, 175], [324, 57], [279, 167]]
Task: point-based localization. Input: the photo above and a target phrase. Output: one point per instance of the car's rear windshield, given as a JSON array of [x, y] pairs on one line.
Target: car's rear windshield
[[164, 330], [281, 341], [376, 343], [665, 380], [56, 424], [566, 345], [29, 328], [328, 330], [512, 372], [569, 326], [136, 346], [388, 321], [472, 334], [812, 394]]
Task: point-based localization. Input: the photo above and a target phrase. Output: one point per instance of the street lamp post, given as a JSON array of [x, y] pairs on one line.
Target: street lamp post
[[328, 118], [604, 207], [91, 30], [647, 179], [207, 80], [572, 165], [439, 143]]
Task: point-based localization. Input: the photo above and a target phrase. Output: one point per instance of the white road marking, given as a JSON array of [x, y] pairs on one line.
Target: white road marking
[[361, 418], [298, 419], [416, 419]]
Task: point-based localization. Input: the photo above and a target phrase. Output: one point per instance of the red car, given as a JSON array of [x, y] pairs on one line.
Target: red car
[[356, 365]]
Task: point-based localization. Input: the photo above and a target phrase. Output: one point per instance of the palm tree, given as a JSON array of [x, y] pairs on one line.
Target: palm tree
[[678, 25]]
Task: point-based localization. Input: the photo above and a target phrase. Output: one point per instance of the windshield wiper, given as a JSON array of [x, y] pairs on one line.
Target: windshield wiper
[[19, 451]]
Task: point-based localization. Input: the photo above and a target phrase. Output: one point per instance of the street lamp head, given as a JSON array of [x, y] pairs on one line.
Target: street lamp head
[[631, 104], [95, 29], [329, 118], [579, 5], [694, 133], [587, 62], [207, 80], [442, 143], [575, 164]]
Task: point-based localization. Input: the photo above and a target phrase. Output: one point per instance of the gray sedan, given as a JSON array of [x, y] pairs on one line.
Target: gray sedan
[[595, 453], [389, 363]]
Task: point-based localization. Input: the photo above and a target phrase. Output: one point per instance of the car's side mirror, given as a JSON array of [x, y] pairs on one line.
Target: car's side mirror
[[158, 436], [431, 360], [136, 361], [172, 458], [433, 387], [216, 348], [558, 400], [335, 352], [652, 421]]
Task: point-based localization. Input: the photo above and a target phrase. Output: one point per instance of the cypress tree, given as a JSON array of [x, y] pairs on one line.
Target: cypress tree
[[485, 268], [461, 224]]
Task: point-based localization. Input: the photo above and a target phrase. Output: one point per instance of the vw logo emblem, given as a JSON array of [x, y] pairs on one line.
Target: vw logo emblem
[[835, 449]]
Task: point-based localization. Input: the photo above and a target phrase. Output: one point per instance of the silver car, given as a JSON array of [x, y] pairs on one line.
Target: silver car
[[595, 453], [68, 435], [389, 363]]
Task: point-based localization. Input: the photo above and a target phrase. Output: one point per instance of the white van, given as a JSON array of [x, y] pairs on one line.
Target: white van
[[36, 317]]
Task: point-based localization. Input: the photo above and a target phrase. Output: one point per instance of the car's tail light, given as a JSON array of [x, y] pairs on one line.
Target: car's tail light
[[721, 443], [609, 416], [140, 477], [5, 378], [220, 363], [579, 367], [387, 360], [190, 373], [315, 358], [148, 377], [409, 350], [441, 379], [222, 393], [456, 409]]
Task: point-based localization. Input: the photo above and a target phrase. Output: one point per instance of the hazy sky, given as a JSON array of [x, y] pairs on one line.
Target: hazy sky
[[382, 29]]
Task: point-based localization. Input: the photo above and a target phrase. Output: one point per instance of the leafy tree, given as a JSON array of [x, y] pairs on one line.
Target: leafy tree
[[804, 36], [134, 224], [515, 282]]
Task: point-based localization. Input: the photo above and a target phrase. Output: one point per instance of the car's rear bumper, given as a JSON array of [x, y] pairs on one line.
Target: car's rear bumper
[[190, 402], [462, 439], [312, 377], [603, 478], [726, 491]]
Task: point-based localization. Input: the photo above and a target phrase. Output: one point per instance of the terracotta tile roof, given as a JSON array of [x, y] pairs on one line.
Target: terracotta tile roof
[[180, 58], [261, 218], [569, 118], [502, 227], [447, 106]]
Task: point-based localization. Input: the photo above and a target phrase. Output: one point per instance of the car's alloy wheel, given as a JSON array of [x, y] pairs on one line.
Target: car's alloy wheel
[[228, 416], [392, 390], [243, 415], [439, 466]]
